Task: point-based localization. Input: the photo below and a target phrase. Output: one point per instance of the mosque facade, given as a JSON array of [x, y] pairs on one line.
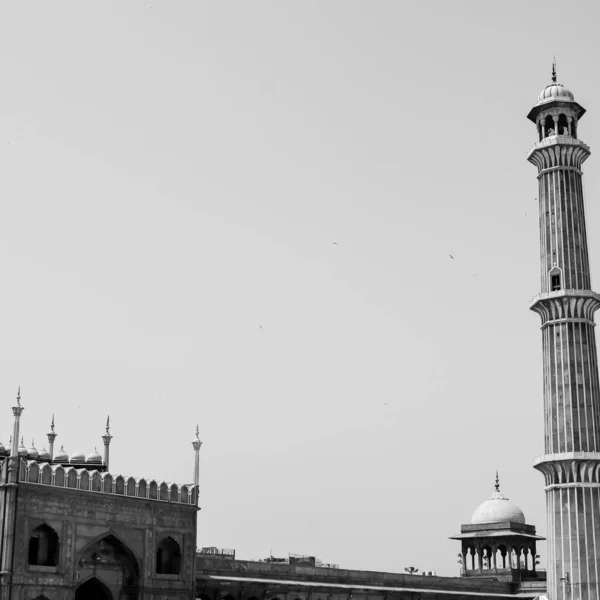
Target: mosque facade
[[72, 529]]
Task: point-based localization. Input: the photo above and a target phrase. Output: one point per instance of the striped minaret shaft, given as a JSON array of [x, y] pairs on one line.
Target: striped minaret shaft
[[566, 305]]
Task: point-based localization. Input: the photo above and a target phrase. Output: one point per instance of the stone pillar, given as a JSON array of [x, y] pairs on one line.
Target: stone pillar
[[196, 443], [51, 438], [106, 439], [11, 485]]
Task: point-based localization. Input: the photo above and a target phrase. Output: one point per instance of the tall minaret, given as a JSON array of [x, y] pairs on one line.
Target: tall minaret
[[566, 304]]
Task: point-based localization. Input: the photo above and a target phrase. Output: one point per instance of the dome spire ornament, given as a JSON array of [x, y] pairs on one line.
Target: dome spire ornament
[[497, 484], [554, 70]]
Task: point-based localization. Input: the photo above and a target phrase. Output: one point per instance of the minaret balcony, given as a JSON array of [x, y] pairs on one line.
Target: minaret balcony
[[569, 468], [558, 151], [555, 140], [566, 294]]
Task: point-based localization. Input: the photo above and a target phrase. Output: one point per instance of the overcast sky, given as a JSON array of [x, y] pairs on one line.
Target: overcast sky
[[241, 215]]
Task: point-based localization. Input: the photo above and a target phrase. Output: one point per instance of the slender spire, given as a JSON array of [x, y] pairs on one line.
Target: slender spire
[[51, 437], [196, 443], [554, 70], [497, 485], [106, 439]]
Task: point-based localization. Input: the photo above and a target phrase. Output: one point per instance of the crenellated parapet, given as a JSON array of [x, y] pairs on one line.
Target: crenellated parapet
[[566, 305], [569, 468], [86, 480], [558, 151]]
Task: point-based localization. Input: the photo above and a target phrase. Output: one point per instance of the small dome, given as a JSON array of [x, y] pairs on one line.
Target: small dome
[[32, 453], [498, 508], [3, 450], [22, 450], [555, 91], [44, 454], [94, 457], [61, 455], [77, 457]]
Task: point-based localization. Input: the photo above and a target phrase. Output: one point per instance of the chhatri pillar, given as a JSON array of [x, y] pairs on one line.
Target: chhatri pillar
[[566, 305]]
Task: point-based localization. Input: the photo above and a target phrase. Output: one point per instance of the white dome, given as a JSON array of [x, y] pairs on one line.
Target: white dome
[[77, 457], [94, 457], [61, 455], [496, 509], [555, 91]]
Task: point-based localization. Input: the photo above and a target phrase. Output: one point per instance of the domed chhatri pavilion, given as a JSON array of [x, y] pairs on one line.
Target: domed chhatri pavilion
[[498, 541]]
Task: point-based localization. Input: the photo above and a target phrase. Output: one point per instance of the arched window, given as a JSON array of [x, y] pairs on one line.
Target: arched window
[[168, 557], [550, 126], [555, 279], [563, 125], [43, 547], [93, 589]]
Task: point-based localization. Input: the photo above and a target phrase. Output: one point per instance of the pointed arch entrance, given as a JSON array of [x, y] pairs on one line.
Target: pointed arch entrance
[[110, 570], [93, 589]]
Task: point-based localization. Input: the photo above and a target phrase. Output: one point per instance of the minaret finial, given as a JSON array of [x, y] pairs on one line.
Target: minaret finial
[[52, 424], [19, 396], [497, 485], [108, 424], [554, 70]]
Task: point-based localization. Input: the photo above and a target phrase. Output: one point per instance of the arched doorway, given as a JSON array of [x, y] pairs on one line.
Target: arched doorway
[[113, 566], [93, 589]]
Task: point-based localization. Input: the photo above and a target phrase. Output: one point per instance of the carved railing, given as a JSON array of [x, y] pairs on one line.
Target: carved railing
[[105, 483]]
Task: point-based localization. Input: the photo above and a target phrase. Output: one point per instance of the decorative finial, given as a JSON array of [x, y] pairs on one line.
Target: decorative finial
[[52, 424], [108, 424], [554, 70], [497, 486], [22, 444], [33, 442], [197, 442], [19, 396]]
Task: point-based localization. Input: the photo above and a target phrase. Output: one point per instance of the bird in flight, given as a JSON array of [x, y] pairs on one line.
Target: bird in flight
[[335, 243], [261, 326], [450, 255]]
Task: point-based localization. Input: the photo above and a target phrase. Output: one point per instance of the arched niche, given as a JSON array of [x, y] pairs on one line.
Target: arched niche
[[43, 546], [168, 557]]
